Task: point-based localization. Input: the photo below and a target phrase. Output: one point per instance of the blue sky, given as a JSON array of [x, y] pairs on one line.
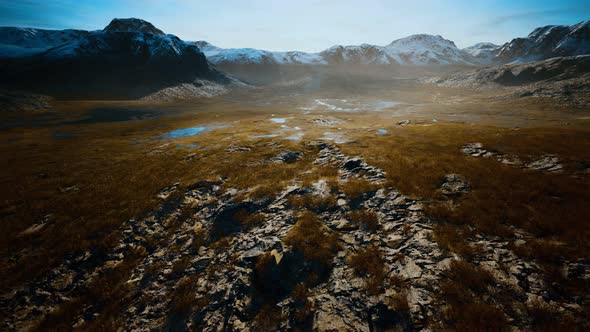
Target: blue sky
[[307, 25]]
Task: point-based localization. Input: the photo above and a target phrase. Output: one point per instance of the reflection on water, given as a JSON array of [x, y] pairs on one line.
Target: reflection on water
[[278, 120], [185, 132], [264, 136], [382, 131], [347, 105], [335, 137], [188, 146], [295, 137]]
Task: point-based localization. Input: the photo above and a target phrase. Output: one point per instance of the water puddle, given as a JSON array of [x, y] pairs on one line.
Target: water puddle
[[192, 131], [264, 136], [296, 137], [346, 105], [188, 146], [335, 137], [382, 132], [278, 120]]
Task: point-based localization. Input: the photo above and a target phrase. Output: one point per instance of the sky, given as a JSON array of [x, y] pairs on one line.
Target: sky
[[305, 25]]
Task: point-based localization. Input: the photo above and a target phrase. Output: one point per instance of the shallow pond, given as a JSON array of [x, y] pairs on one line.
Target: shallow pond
[[192, 131]]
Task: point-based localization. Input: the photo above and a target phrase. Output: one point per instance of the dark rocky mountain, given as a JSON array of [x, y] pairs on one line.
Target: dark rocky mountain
[[547, 42], [130, 58], [133, 25]]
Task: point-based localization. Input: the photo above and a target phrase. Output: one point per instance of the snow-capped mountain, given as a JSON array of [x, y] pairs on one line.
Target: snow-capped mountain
[[412, 50], [363, 54], [129, 58], [218, 55], [482, 53], [547, 42], [426, 50]]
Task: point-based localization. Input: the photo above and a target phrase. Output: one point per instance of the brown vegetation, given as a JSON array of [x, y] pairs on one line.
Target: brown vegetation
[[354, 189], [369, 263], [313, 203], [450, 239], [463, 291], [365, 218], [310, 237]]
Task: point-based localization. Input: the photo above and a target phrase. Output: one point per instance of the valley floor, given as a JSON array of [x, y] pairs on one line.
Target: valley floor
[[395, 206]]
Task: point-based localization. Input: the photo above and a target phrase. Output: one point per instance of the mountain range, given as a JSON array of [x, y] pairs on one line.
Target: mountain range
[[133, 58], [413, 50], [421, 50]]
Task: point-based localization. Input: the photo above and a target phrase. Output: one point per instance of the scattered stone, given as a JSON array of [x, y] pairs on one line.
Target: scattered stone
[[166, 192], [288, 157], [474, 149], [326, 122], [69, 189], [237, 148], [405, 122], [547, 163], [190, 156], [454, 185]]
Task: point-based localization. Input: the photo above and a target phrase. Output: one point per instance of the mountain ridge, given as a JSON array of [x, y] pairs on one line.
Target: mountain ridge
[[130, 58]]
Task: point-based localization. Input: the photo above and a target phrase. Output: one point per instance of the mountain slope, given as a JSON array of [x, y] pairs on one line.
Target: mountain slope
[[563, 78], [482, 53], [18, 42], [130, 58], [426, 50], [218, 55], [547, 42]]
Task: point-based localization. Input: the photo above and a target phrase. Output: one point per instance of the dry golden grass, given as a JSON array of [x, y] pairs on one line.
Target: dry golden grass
[[118, 180], [268, 318], [465, 291], [399, 302], [313, 203], [248, 219], [365, 218], [552, 207], [450, 239], [310, 237], [369, 263], [184, 300], [354, 189], [302, 313]]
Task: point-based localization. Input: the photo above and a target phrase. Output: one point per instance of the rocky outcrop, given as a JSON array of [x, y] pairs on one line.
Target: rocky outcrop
[[454, 185], [548, 163]]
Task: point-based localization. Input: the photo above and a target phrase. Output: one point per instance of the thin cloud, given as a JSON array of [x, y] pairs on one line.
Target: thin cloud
[[537, 14]]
